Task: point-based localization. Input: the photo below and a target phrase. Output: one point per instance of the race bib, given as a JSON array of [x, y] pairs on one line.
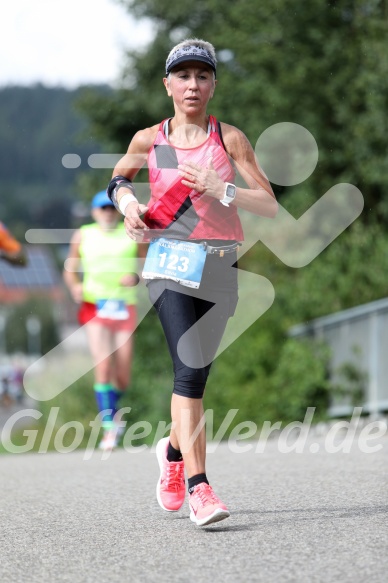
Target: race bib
[[180, 261], [112, 309]]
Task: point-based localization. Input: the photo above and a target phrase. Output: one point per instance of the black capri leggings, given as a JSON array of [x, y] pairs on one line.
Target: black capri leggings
[[194, 321]]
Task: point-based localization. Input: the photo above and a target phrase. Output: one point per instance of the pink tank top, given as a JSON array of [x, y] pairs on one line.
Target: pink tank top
[[181, 212]]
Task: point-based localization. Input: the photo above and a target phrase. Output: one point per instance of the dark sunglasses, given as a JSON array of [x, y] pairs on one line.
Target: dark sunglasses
[[107, 207]]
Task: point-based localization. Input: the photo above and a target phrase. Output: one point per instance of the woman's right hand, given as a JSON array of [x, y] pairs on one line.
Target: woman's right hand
[[133, 223], [76, 291]]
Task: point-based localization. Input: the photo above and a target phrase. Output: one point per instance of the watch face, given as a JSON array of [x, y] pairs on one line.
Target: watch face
[[230, 191]]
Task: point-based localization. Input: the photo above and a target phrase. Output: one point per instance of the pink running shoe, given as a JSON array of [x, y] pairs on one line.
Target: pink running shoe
[[205, 507], [170, 489]]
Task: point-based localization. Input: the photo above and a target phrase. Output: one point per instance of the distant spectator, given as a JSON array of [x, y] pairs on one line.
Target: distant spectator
[[5, 396], [17, 384], [10, 249]]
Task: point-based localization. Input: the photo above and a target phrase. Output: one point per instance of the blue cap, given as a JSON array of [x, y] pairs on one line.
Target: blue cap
[[101, 199]]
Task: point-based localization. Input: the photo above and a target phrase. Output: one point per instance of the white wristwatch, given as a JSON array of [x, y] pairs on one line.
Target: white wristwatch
[[229, 194]]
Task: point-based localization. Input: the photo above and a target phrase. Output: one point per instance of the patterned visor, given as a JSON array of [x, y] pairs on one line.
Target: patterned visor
[[190, 53]]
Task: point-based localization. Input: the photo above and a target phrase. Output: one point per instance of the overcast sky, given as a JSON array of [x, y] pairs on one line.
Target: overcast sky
[[65, 42]]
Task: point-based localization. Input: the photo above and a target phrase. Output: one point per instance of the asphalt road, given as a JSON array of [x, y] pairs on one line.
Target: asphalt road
[[307, 517]]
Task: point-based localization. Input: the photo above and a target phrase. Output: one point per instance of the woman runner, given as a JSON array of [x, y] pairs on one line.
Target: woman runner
[[194, 229]]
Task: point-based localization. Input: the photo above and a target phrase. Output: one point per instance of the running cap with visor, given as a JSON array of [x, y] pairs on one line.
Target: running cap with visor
[[190, 53], [101, 199]]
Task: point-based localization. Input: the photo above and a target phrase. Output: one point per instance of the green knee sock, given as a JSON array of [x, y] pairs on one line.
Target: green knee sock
[[104, 401]]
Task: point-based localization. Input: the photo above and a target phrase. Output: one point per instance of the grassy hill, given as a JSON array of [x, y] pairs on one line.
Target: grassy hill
[[38, 126]]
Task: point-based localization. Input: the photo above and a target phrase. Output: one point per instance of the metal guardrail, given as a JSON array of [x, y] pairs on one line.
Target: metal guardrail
[[358, 337]]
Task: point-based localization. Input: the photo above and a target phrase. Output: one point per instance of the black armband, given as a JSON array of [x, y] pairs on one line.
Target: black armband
[[116, 183]]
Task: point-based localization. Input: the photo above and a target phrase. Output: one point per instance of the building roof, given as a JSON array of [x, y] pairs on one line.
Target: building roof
[[40, 272]]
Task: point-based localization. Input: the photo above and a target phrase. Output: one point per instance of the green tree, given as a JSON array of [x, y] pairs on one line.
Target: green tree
[[323, 65], [16, 328]]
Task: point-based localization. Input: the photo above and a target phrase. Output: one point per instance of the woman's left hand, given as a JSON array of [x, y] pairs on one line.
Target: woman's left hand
[[203, 180], [129, 280]]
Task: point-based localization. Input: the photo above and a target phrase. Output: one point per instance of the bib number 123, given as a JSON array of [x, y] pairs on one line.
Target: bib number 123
[[180, 261]]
